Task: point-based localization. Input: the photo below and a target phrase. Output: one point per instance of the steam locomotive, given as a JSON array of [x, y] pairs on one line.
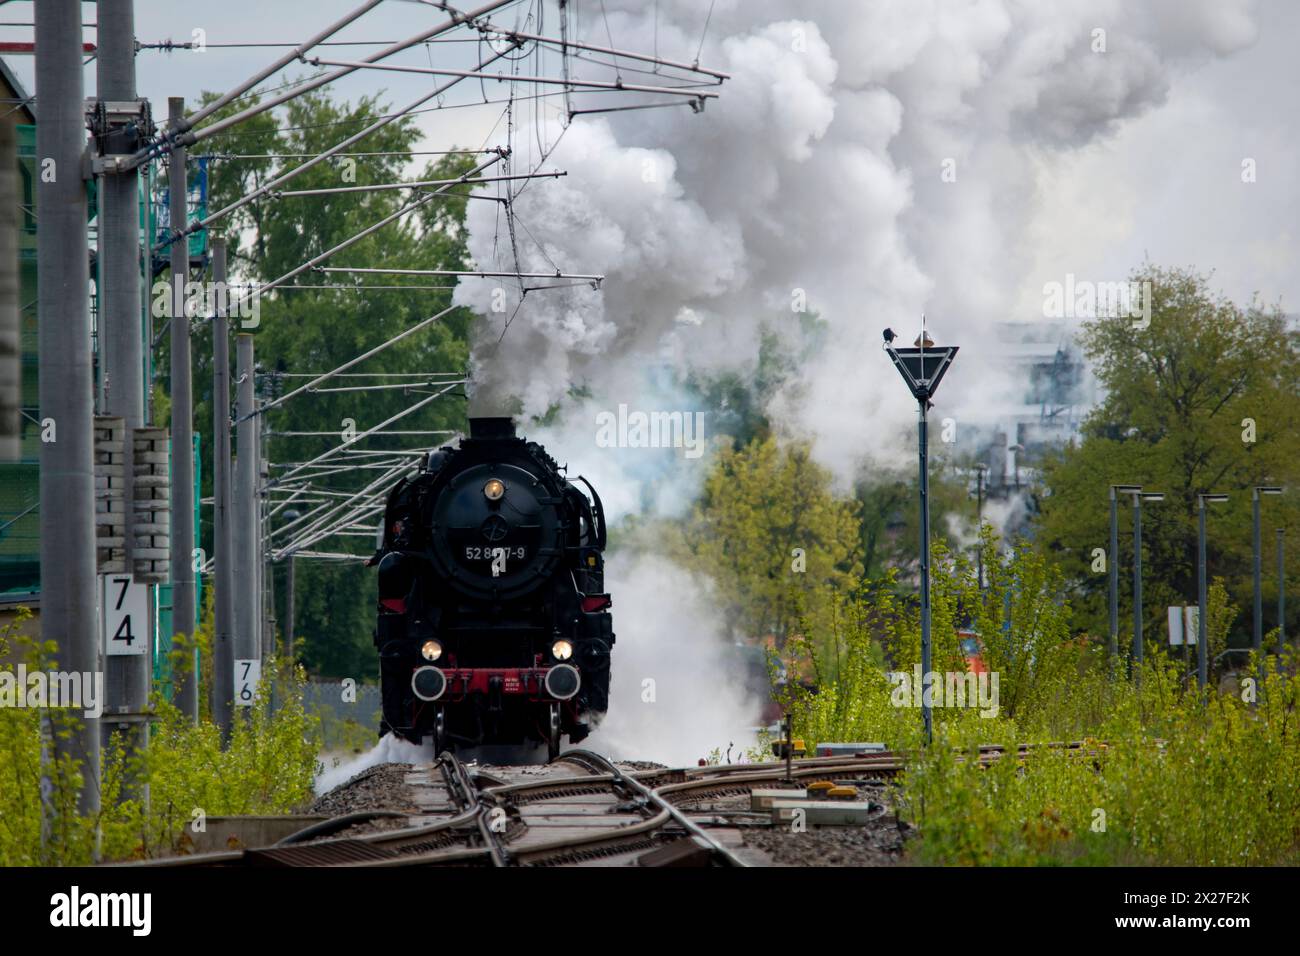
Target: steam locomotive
[[493, 620]]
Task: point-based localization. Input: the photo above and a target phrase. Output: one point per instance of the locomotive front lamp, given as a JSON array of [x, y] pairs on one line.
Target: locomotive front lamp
[[494, 489], [431, 650], [561, 650]]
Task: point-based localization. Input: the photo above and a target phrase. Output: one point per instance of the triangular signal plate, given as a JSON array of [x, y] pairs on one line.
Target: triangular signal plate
[[923, 369]]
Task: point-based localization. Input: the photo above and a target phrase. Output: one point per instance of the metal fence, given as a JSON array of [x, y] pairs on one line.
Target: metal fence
[[346, 712]]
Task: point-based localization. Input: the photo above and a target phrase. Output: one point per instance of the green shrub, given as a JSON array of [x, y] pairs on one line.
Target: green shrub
[[1207, 781], [30, 764], [268, 767], [1168, 775], [146, 801]]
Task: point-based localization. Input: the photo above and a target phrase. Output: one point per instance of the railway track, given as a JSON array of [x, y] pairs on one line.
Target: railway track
[[602, 814]]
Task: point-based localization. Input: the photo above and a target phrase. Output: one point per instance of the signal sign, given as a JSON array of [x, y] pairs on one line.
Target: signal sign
[[923, 368], [126, 630], [248, 674]]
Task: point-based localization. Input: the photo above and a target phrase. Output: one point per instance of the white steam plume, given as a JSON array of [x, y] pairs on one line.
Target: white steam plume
[[676, 691], [819, 169], [818, 175], [390, 749]]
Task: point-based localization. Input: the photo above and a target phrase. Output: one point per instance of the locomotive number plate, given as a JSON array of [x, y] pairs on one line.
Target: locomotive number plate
[[473, 553]]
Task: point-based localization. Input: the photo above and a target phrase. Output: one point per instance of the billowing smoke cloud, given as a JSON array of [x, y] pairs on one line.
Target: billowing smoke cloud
[[869, 162], [676, 691], [820, 175]]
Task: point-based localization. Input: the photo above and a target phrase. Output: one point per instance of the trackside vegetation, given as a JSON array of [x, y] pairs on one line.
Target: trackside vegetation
[[1166, 774], [150, 805]]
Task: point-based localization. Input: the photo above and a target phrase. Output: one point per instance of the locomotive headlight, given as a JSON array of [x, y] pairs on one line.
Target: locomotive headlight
[[431, 650], [561, 650], [494, 489]]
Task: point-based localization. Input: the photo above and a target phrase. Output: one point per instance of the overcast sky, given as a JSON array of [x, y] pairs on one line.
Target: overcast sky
[[1168, 186], [1176, 168], [818, 171]]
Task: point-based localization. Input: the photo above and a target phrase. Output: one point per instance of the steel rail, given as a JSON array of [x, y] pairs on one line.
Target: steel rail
[[655, 792], [462, 786], [654, 797]]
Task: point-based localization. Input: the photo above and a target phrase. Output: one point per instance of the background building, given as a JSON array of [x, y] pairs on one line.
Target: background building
[[19, 428]]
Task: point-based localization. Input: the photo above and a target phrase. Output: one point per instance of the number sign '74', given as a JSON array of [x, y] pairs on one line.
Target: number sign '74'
[[125, 614]]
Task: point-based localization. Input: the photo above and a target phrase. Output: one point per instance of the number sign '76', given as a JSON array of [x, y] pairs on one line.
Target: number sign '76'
[[248, 674]]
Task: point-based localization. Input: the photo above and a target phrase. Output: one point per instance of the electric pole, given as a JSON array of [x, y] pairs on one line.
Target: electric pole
[[246, 558], [288, 601], [223, 651], [67, 481], [1281, 594], [1112, 645], [120, 123], [1202, 624], [186, 688]]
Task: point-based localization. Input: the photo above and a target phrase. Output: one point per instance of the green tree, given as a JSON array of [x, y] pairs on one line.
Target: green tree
[[304, 330], [1202, 399], [1023, 618], [774, 537], [890, 512]]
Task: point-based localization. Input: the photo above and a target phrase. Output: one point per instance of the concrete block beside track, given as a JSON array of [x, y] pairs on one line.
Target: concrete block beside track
[[765, 799], [821, 813]]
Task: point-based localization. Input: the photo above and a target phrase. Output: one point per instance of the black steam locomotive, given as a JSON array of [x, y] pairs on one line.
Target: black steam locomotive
[[493, 623]]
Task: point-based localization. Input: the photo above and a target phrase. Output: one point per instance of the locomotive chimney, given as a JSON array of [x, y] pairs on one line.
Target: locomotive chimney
[[491, 428]]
